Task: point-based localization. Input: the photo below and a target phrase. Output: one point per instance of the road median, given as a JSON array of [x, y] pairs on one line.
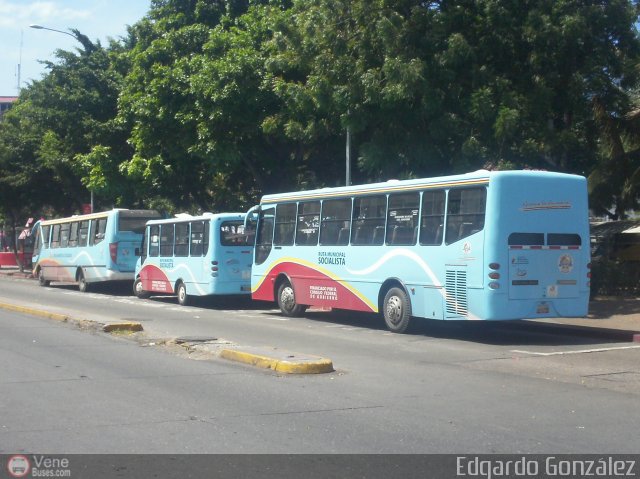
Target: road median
[[278, 360]]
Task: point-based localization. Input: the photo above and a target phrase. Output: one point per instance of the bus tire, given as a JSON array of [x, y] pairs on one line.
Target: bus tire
[[287, 301], [41, 280], [183, 297], [396, 309], [138, 291], [83, 286]]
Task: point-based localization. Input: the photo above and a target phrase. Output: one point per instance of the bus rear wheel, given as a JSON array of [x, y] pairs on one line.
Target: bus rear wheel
[[138, 291], [183, 297], [287, 301], [397, 310], [83, 286]]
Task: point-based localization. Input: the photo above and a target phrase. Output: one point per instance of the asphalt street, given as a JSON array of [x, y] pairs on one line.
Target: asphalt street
[[444, 388]]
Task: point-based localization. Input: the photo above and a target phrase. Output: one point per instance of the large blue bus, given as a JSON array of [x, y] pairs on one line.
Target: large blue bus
[[485, 245], [89, 248], [195, 256]]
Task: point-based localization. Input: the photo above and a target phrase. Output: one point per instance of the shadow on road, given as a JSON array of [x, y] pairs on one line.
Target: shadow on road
[[502, 333]]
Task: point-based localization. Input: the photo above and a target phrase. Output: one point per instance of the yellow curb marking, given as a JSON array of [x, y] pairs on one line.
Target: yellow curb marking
[[314, 366], [34, 312]]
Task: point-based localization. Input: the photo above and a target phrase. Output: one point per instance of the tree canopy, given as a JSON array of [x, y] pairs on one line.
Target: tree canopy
[[206, 105]]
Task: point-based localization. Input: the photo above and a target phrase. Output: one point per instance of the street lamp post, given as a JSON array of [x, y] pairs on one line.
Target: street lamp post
[[40, 27]]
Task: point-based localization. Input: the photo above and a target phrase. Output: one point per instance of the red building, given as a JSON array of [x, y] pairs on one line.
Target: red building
[[5, 103]]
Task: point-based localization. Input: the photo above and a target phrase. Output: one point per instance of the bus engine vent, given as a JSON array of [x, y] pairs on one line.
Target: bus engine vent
[[456, 287]]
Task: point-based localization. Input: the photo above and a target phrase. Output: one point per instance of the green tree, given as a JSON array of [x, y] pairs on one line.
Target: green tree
[[160, 106]]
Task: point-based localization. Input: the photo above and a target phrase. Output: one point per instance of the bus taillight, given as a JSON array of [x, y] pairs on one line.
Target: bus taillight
[[113, 252], [214, 268], [494, 275]]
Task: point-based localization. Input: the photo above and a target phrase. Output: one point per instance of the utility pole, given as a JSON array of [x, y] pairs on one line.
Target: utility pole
[[348, 158], [20, 61]]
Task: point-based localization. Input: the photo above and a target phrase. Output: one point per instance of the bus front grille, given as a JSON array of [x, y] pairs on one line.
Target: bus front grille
[[456, 288]]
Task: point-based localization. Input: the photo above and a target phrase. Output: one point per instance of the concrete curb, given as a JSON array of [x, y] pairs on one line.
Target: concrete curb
[[35, 312], [279, 361], [266, 358], [106, 327]]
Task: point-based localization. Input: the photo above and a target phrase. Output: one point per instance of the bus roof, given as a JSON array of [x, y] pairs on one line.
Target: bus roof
[[480, 177], [183, 217], [102, 214]]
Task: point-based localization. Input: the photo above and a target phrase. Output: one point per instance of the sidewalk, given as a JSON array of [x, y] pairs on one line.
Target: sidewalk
[[14, 271], [618, 316]]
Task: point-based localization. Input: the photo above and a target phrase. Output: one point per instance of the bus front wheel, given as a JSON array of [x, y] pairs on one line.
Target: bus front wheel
[[397, 310], [138, 291], [41, 280], [183, 297], [287, 301]]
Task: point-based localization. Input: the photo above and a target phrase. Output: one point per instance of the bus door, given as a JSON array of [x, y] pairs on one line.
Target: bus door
[[540, 269], [236, 247]]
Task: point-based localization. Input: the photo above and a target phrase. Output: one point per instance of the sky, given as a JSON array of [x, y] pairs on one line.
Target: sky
[[97, 19]]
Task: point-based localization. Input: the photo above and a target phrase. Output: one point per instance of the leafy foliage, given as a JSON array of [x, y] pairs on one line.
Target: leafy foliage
[[206, 105]]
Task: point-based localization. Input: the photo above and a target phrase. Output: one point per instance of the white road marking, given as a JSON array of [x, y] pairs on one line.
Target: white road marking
[[582, 351]]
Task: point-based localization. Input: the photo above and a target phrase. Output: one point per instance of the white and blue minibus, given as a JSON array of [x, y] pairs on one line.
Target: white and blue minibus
[[89, 248], [486, 245], [195, 256]]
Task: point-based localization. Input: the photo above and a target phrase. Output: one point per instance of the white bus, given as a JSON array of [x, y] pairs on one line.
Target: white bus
[[484, 245], [89, 248], [195, 256]]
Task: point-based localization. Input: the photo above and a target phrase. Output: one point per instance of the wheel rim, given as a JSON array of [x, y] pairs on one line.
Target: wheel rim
[[182, 293], [394, 309], [138, 286], [287, 299]]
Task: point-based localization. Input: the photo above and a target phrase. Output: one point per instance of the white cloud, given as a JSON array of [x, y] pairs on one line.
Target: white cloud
[[18, 14]]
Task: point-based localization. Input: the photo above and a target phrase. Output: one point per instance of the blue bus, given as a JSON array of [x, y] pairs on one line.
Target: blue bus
[[89, 248], [195, 256], [485, 245]]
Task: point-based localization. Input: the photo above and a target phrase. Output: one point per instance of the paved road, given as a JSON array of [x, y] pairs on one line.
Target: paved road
[[444, 388]]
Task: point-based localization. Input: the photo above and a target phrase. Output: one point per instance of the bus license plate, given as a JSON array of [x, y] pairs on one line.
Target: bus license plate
[[542, 308]]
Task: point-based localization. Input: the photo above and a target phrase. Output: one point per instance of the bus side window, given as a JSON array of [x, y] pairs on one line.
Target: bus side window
[[264, 236], [166, 240], [335, 222], [465, 213], [182, 239], [154, 240], [432, 217], [402, 218], [73, 234], [45, 236], [83, 233], [64, 235], [205, 238], [369, 215], [285, 224], [197, 237], [308, 223], [99, 227], [55, 236]]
